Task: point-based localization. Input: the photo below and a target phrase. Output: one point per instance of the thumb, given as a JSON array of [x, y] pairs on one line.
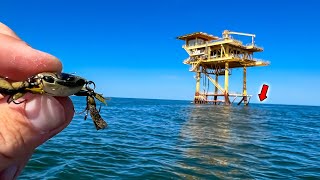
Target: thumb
[[47, 113], [27, 125]]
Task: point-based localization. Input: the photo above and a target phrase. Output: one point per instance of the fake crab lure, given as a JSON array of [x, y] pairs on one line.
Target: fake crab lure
[[56, 84]]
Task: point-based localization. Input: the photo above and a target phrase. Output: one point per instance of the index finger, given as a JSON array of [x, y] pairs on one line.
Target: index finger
[[18, 61]]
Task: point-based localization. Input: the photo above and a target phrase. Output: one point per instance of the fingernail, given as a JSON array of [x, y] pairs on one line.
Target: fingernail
[[45, 113], [4, 29]]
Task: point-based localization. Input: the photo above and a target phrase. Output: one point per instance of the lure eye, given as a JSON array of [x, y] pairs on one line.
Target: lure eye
[[66, 77], [48, 79], [71, 78], [80, 82]]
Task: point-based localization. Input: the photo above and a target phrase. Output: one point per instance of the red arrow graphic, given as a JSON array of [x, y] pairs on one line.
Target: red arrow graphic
[[263, 93]]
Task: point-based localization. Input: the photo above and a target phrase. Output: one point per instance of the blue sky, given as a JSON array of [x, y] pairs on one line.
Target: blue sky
[[129, 48]]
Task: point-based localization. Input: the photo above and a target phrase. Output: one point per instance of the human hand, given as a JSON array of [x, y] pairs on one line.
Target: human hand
[[25, 126]]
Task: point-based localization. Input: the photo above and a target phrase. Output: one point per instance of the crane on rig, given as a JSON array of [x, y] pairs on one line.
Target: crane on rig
[[226, 35]]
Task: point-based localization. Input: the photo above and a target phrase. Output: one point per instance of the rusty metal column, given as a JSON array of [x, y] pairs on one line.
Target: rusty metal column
[[196, 96], [226, 84], [245, 99], [215, 98]]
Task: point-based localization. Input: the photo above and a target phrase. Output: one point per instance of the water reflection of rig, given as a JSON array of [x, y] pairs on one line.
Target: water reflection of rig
[[210, 55]]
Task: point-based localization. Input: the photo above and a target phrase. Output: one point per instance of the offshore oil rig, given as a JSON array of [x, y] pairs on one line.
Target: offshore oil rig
[[214, 56]]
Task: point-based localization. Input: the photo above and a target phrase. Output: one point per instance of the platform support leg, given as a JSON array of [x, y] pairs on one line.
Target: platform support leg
[[197, 93], [215, 98], [226, 84], [245, 98]]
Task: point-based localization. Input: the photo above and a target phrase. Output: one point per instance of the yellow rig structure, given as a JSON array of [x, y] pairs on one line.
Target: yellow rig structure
[[213, 56]]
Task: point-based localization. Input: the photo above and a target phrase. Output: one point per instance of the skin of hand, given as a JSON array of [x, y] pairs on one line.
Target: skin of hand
[[25, 126]]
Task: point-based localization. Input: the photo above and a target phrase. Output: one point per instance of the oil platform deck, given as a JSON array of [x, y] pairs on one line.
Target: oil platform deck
[[214, 56]]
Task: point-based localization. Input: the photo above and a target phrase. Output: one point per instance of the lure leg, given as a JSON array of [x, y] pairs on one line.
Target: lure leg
[[85, 117], [13, 98], [99, 108], [35, 90], [87, 110], [100, 98], [10, 99]]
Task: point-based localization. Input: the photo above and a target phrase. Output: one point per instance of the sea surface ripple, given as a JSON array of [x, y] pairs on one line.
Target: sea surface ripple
[[166, 139]]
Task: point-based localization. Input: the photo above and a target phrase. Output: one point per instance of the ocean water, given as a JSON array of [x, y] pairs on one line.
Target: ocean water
[[164, 139]]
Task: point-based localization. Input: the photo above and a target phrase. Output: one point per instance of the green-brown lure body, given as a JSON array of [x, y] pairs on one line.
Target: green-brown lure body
[[55, 84]]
